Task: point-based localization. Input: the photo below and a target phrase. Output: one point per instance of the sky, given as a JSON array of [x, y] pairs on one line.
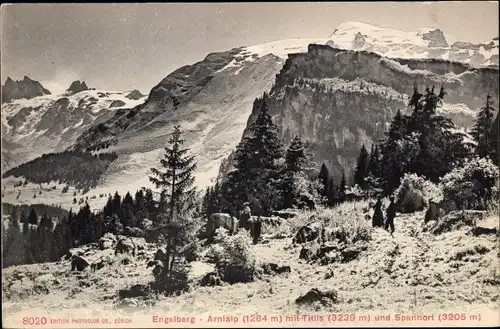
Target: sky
[[134, 46]]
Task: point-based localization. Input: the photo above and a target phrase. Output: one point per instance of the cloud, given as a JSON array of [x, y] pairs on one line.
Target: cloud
[[61, 80]]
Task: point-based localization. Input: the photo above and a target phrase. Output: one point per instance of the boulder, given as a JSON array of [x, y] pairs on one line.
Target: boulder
[[20, 289], [273, 268], [309, 252], [352, 252], [284, 269], [138, 290], [101, 263], [125, 246], [331, 257], [326, 249], [326, 298], [46, 280], [309, 232], [79, 263], [218, 220], [210, 280], [105, 243]]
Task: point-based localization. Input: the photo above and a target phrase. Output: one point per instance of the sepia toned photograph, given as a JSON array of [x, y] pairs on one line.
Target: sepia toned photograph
[[292, 164]]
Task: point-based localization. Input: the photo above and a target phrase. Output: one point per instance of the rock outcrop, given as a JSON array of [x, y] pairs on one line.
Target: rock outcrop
[[135, 95], [76, 87], [25, 88]]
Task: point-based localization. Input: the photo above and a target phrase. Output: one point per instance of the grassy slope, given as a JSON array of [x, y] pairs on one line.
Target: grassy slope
[[410, 271]]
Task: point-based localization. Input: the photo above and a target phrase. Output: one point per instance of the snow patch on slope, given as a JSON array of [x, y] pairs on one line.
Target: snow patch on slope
[[280, 48]]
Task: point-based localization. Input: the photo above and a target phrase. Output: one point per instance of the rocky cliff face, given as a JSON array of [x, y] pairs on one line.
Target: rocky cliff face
[[25, 88], [338, 100]]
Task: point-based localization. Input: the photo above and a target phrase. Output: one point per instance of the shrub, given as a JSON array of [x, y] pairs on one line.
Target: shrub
[[414, 191], [473, 185], [346, 222], [236, 261]]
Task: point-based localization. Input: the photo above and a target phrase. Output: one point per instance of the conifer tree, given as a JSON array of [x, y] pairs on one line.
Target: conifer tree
[[108, 208], [374, 162], [482, 130], [32, 217], [206, 201], [331, 193], [177, 196], [342, 188], [128, 200], [423, 143], [14, 248], [257, 175], [128, 219], [139, 200], [361, 171], [117, 204], [295, 158]]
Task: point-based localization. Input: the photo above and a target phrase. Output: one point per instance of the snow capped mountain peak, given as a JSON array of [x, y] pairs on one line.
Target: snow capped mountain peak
[[424, 42], [346, 32]]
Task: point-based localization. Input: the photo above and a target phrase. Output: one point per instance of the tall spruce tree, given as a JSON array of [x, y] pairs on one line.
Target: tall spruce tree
[[206, 201], [117, 204], [362, 170], [342, 188], [257, 175], [32, 217], [295, 158], [482, 130], [177, 194], [331, 193]]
